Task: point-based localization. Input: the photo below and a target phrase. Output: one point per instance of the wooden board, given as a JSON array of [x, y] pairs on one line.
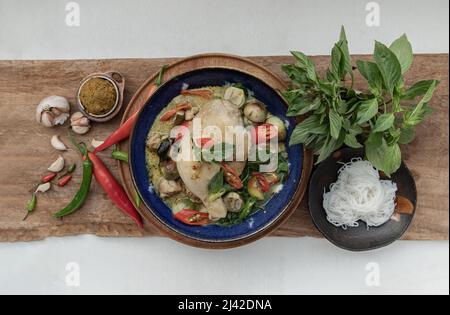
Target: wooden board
[[25, 151]]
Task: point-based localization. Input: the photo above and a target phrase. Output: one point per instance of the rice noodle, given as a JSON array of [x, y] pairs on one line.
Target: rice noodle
[[359, 195]]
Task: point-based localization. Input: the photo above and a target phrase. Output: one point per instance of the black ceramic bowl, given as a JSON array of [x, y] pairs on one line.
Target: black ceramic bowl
[[358, 238]]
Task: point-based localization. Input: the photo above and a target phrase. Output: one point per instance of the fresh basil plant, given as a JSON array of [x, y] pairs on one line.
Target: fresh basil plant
[[378, 119]]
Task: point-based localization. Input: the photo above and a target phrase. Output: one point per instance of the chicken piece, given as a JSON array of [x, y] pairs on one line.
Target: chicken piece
[[168, 188], [154, 140], [196, 176]]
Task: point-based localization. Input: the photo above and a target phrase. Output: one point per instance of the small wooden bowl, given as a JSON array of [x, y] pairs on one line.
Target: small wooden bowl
[[118, 81]]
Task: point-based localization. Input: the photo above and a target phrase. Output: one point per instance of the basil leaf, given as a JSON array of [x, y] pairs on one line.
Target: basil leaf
[[366, 110], [414, 117], [302, 105], [407, 135], [345, 59], [350, 140], [374, 139], [336, 69], [393, 136], [372, 74], [216, 183], [401, 47], [389, 66], [335, 124], [384, 157], [307, 64], [355, 130], [384, 122], [396, 100], [418, 89], [329, 147], [303, 131], [296, 74], [315, 104]]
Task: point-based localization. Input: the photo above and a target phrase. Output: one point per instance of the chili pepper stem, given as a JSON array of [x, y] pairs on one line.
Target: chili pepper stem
[[26, 216]]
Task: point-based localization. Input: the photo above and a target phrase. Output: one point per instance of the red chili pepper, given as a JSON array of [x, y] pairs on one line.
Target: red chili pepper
[[202, 93], [170, 113], [205, 142], [263, 182], [231, 176], [114, 190], [124, 131], [192, 217], [64, 180], [263, 133], [47, 178]]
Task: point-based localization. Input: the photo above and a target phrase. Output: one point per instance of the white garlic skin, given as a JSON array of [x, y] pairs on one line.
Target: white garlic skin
[[80, 124], [52, 110], [57, 143], [57, 166], [43, 187]]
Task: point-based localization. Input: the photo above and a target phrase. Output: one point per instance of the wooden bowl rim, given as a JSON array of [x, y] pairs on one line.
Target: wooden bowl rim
[[290, 208]]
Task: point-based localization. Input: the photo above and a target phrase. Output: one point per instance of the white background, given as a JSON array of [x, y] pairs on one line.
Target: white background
[[115, 29]]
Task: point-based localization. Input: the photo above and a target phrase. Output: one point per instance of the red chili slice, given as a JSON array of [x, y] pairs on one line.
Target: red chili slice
[[263, 182], [202, 93], [192, 217], [205, 143], [264, 133], [232, 177], [170, 113]]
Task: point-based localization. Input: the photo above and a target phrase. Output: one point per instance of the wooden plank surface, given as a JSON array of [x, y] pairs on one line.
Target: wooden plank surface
[[25, 151]]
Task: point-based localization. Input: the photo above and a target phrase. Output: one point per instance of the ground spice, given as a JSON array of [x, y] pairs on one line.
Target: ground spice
[[98, 96]]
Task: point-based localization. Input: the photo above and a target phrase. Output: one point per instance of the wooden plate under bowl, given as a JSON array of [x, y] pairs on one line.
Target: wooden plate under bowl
[[201, 62]]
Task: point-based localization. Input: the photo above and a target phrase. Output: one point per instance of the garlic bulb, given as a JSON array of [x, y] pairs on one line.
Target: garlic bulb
[[58, 144], [80, 123], [57, 166], [52, 110]]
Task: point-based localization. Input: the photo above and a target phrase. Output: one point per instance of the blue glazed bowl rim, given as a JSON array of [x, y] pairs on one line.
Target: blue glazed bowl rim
[[282, 215]]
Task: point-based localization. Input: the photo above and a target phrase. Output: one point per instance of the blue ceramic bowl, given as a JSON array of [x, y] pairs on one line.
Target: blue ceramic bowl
[[257, 223]]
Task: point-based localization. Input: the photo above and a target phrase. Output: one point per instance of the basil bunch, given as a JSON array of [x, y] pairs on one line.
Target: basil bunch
[[339, 115]]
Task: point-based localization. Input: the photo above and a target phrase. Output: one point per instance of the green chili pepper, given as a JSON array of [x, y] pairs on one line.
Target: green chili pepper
[[120, 155], [137, 199], [31, 205], [80, 197], [161, 72]]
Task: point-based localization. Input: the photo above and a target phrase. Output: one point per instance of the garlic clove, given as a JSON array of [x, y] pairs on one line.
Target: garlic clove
[[57, 166], [57, 143], [56, 111], [84, 121], [81, 130], [96, 143], [80, 123], [43, 187], [76, 116], [61, 119], [47, 119]]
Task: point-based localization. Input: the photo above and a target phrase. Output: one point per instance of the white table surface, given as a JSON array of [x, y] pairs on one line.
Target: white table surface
[[122, 29]]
